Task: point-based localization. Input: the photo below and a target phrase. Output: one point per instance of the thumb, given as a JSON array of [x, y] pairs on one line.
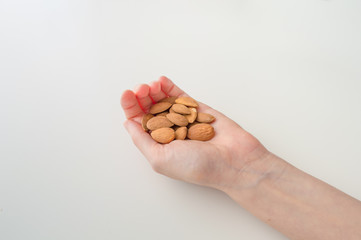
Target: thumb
[[141, 139]]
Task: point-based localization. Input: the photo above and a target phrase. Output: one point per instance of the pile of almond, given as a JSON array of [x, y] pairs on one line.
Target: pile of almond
[[177, 118]]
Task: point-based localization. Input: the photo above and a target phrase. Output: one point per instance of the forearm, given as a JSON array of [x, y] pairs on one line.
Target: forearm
[[295, 203]]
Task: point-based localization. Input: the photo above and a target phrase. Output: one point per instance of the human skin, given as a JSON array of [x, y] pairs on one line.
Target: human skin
[[235, 162]]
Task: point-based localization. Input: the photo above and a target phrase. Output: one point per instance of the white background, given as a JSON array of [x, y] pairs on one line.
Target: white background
[[288, 71]]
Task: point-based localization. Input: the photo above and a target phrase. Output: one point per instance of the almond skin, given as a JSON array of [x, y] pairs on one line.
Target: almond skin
[[192, 117], [158, 122], [205, 118], [162, 114], [180, 108], [192, 124], [145, 119], [201, 132], [188, 101], [163, 135], [177, 119], [181, 133], [169, 99], [159, 107]]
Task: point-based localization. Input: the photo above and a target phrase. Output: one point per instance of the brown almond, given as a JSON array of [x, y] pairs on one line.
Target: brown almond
[[181, 133], [192, 117], [162, 114], [163, 135], [205, 118], [192, 124], [158, 122], [188, 101], [180, 108], [169, 99], [177, 119], [171, 110], [201, 132], [159, 107], [145, 119]]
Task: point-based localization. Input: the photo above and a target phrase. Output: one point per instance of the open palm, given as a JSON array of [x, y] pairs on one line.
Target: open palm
[[212, 163]]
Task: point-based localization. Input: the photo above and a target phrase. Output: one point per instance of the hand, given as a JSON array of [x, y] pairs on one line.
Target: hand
[[228, 157], [236, 163]]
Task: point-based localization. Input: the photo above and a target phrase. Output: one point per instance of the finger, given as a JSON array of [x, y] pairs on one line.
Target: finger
[[155, 91], [141, 139], [130, 105], [142, 94], [169, 88]]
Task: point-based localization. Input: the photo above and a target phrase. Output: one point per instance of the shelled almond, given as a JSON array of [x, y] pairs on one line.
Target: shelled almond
[[177, 118]]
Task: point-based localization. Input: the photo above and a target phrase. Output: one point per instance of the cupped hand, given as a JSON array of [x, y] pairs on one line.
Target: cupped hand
[[217, 163]]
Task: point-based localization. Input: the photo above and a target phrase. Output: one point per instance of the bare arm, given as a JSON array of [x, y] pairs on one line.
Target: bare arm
[[295, 203], [235, 162]]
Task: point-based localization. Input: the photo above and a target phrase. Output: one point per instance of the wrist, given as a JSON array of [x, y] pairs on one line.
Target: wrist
[[264, 166]]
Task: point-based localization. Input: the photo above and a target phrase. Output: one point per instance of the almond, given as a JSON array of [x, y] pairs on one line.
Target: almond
[[201, 132], [177, 119], [192, 117], [205, 118], [163, 135], [159, 107], [192, 124], [175, 127], [158, 122], [169, 99], [180, 108], [188, 101], [145, 119], [162, 114], [181, 133]]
